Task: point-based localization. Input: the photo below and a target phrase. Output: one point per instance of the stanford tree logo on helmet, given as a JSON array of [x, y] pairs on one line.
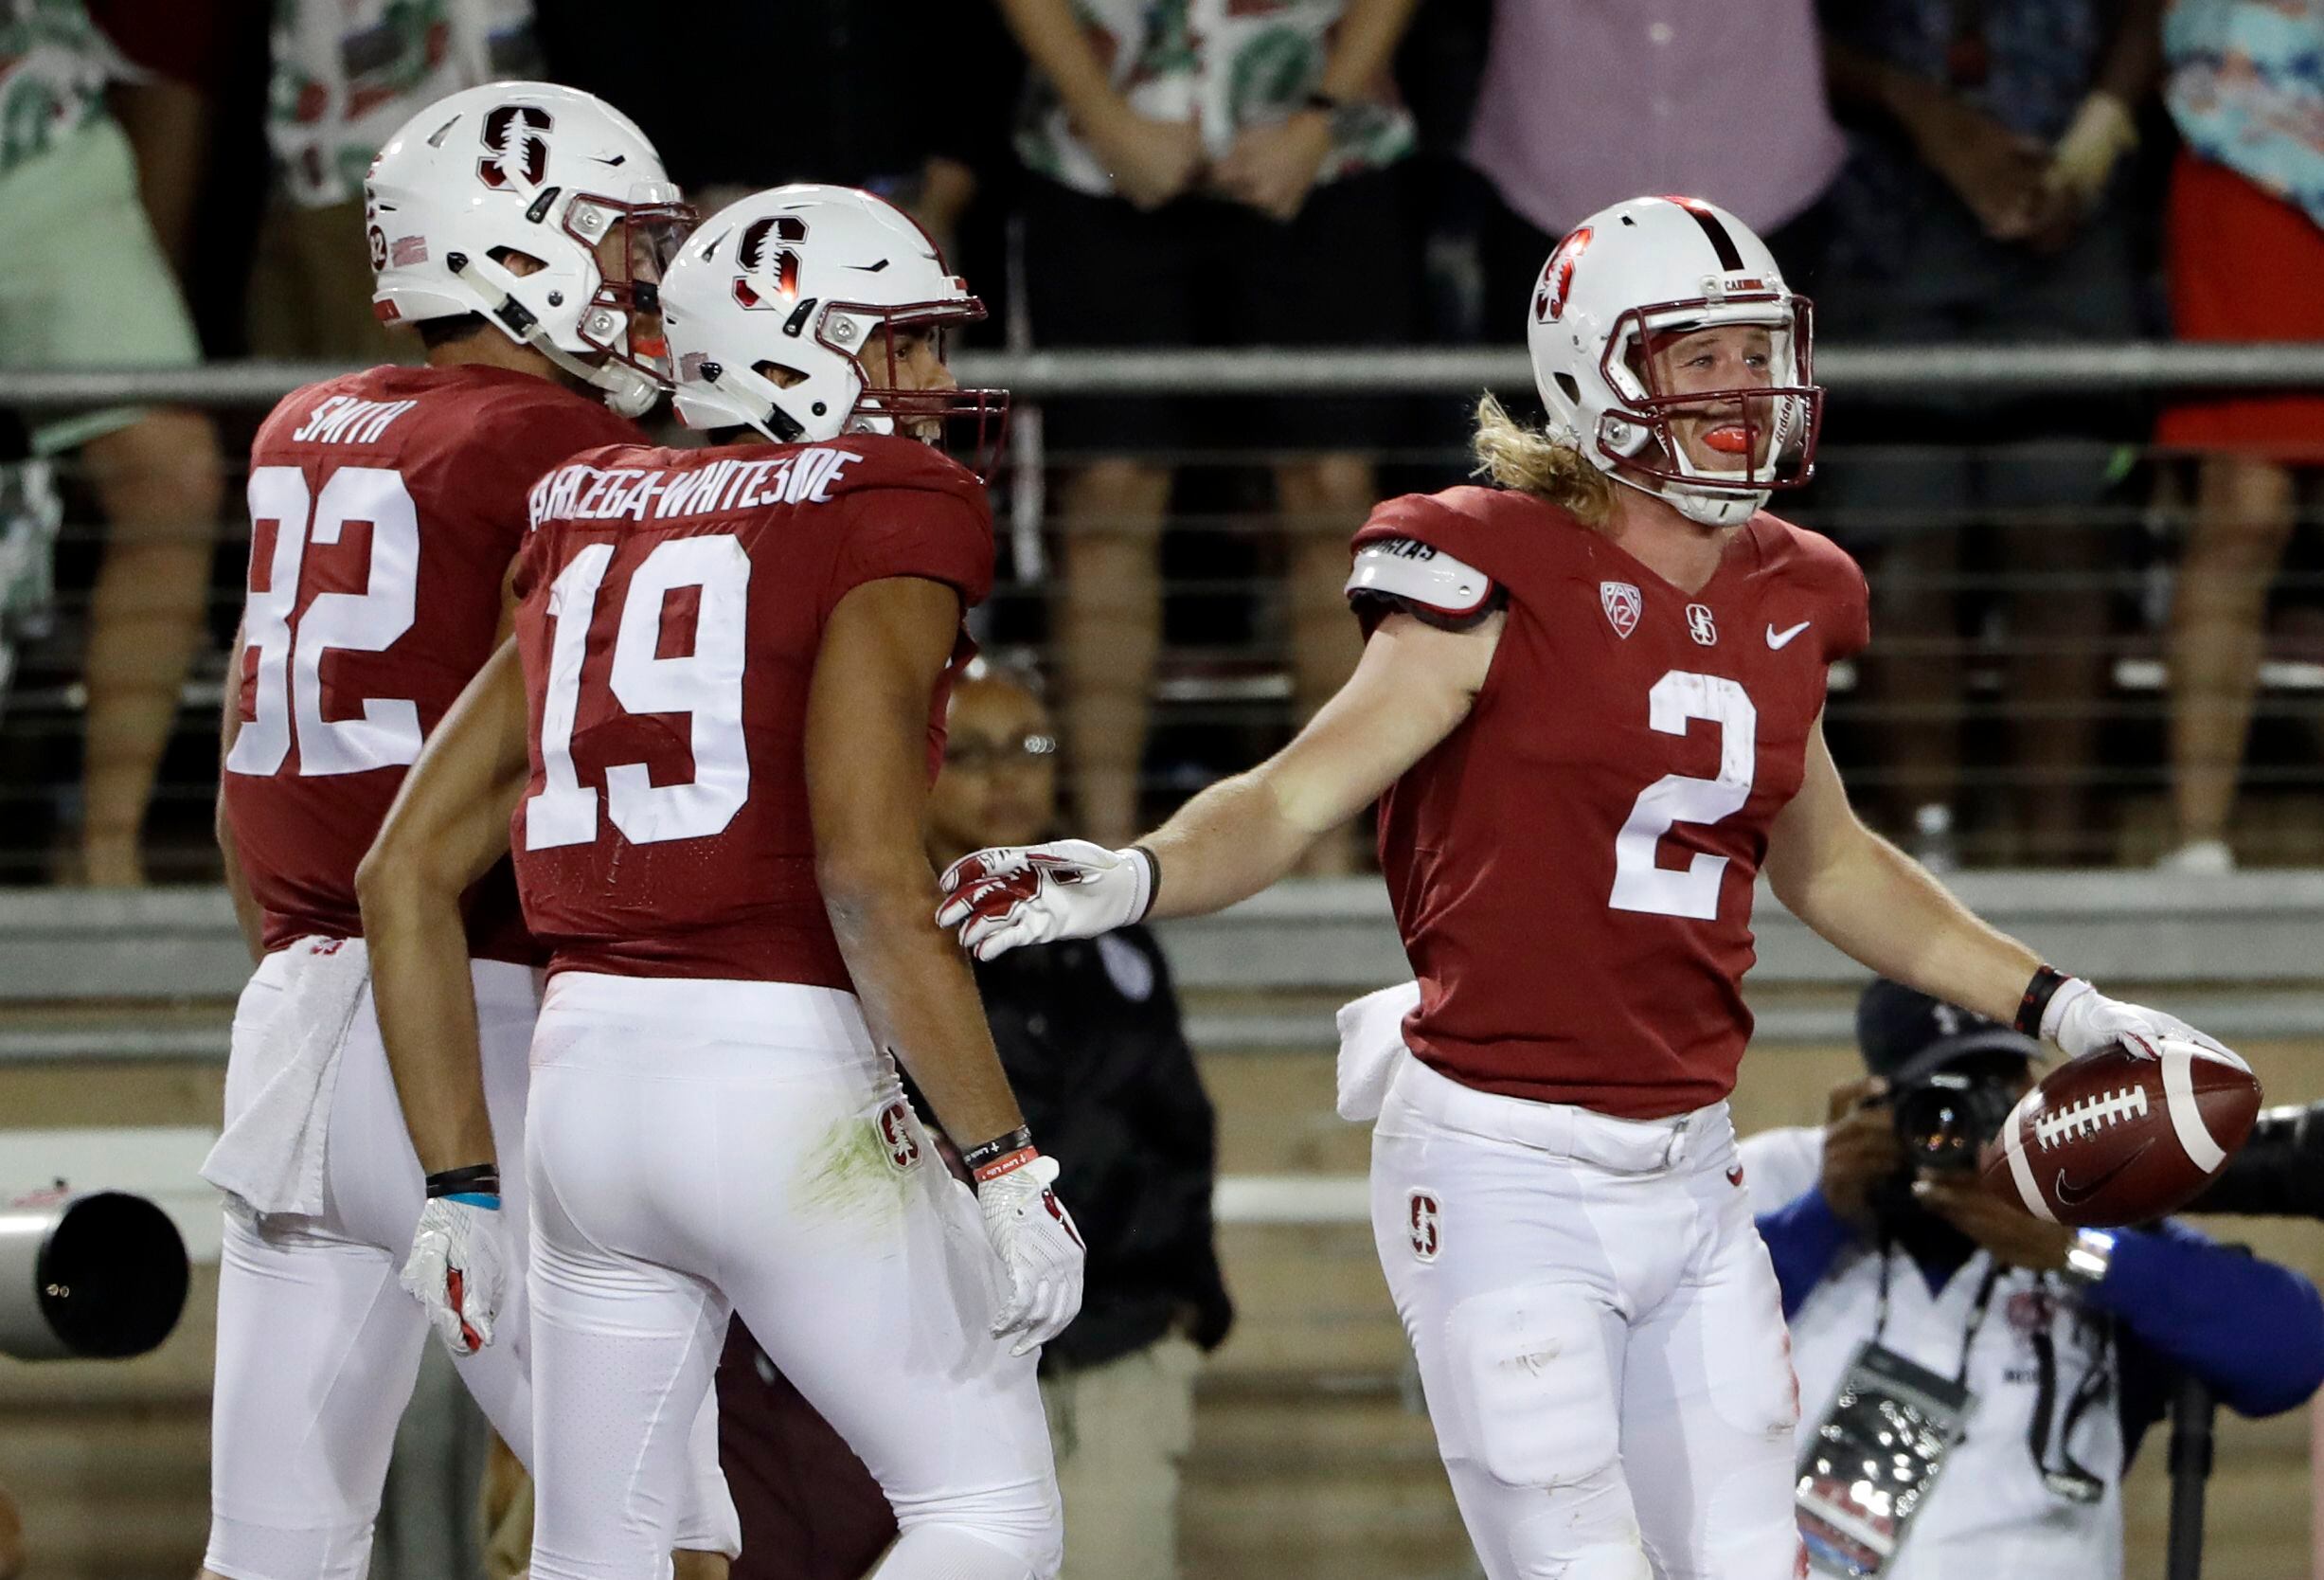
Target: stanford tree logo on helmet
[[516, 140], [750, 255], [1557, 277]]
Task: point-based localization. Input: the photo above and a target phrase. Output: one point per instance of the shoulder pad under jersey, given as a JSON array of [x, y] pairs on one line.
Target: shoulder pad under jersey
[[1423, 579]]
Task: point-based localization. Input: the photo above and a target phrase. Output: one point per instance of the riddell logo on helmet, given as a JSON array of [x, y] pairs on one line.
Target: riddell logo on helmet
[[1557, 277], [516, 142]]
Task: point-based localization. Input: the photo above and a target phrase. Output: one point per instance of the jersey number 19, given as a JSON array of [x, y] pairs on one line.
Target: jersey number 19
[[704, 684]]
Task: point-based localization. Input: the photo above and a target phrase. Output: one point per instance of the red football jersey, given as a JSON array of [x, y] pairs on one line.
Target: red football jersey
[[672, 605], [385, 507], [1572, 867]]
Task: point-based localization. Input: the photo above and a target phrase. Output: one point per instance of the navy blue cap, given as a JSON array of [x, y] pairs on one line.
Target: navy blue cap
[[1905, 1035]]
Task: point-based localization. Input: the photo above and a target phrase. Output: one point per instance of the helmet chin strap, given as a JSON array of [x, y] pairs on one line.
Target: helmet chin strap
[[627, 392], [1704, 507]]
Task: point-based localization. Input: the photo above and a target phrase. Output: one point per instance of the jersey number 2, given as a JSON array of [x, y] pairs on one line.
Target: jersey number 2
[[289, 646], [706, 685], [1641, 884]]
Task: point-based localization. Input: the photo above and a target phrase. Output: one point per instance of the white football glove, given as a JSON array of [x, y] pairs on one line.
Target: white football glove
[[458, 1271], [1038, 1245], [2080, 1019], [1020, 894]]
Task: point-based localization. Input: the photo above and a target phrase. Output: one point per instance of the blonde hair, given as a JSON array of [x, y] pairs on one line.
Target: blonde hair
[[1537, 463]]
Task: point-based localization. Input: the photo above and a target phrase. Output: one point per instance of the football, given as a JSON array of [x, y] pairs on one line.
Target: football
[[2116, 1138]]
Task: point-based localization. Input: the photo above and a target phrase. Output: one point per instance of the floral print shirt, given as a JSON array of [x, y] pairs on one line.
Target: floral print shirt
[[1225, 65]]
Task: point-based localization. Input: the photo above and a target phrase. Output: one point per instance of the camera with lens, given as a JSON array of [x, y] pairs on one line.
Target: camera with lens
[[1945, 1116], [2278, 1173]]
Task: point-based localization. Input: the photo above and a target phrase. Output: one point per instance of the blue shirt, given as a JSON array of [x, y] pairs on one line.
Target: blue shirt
[[2246, 88], [2030, 67], [2252, 1330]]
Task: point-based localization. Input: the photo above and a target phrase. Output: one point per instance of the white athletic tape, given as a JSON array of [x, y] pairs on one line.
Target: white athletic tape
[[2021, 1170], [2186, 1113]]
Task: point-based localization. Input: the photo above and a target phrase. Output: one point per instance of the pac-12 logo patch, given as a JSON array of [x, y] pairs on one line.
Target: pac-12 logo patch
[[1426, 1221], [896, 1135], [1622, 605]]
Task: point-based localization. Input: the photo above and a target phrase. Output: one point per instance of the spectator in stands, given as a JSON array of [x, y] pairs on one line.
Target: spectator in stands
[[83, 283], [1586, 102], [1231, 184], [2246, 260], [2066, 1342], [1090, 1036], [346, 74], [1982, 202]]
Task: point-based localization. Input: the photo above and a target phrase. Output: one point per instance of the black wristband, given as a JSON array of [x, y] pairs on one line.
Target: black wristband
[[1153, 881], [999, 1146], [1318, 99], [481, 1179], [2047, 981]]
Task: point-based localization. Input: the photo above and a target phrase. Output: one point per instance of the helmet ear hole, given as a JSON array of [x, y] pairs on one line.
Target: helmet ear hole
[[1569, 387], [779, 375]]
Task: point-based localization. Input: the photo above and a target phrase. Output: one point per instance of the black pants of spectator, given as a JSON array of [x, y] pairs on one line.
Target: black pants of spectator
[[810, 1509], [1975, 513]]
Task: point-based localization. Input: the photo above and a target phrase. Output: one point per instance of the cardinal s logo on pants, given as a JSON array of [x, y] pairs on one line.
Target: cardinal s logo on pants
[[1425, 1219], [896, 1135]]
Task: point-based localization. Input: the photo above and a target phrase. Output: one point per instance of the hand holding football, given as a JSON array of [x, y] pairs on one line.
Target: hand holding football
[[2116, 1138]]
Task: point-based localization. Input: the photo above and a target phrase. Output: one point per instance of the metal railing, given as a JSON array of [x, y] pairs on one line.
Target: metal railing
[[1226, 689], [1264, 370]]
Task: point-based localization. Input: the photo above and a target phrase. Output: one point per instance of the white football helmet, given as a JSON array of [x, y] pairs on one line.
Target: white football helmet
[[1623, 280], [808, 279], [548, 171]]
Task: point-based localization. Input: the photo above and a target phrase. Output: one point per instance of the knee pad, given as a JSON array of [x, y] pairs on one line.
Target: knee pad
[[1607, 1561], [242, 1550], [1538, 1386], [1751, 1525], [943, 1550]]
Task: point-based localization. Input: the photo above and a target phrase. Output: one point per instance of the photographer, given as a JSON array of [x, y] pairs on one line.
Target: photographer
[[1997, 1371]]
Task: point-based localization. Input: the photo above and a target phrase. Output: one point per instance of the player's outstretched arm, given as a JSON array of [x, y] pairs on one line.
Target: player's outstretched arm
[[1879, 906], [449, 824], [1414, 686], [884, 650]]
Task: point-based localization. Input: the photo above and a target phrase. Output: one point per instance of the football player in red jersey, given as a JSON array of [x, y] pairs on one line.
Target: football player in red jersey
[[710, 746], [518, 226], [1590, 706]]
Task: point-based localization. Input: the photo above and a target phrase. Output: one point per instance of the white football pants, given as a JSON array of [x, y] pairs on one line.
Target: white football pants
[[318, 1346], [1599, 1334], [703, 1147]]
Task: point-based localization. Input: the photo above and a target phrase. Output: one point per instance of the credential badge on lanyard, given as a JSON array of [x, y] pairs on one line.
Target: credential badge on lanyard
[[1873, 1460]]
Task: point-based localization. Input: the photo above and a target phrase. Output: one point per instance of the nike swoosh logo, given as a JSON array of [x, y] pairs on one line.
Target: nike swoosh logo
[[1777, 639], [617, 161], [870, 268], [2071, 1194]]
